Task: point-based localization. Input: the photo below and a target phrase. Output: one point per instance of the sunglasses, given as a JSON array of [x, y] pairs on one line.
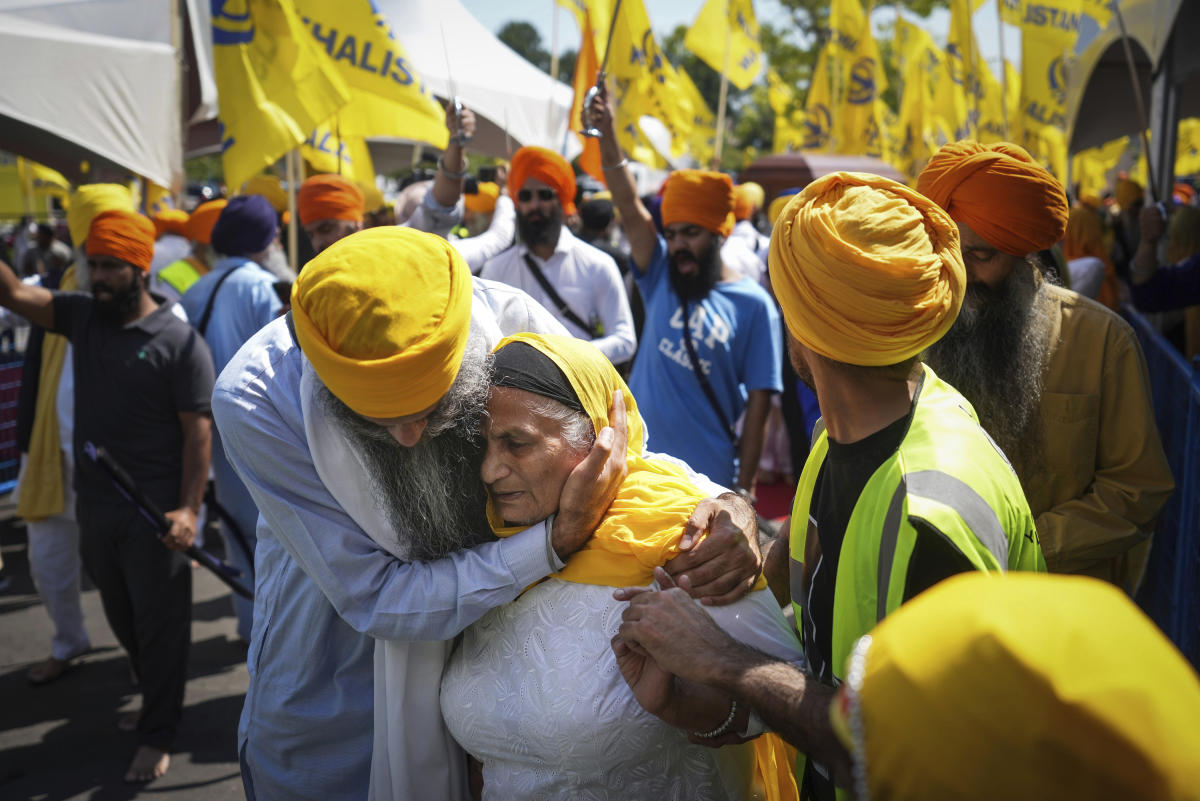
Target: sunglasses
[[526, 195]]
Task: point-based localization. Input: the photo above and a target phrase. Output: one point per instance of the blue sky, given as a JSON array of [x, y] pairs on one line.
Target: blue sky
[[666, 14]]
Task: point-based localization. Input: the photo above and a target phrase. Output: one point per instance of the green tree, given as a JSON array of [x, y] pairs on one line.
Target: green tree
[[527, 42]]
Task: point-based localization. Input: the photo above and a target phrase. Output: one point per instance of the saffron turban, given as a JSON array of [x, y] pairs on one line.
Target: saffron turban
[[747, 199], [383, 315], [701, 198], [269, 187], [89, 200], [483, 201], [124, 235], [200, 225], [247, 225], [1000, 192], [329, 197], [1025, 686], [867, 271], [547, 167], [170, 221], [1128, 192]]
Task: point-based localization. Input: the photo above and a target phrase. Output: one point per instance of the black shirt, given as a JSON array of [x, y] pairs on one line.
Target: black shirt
[[131, 383]]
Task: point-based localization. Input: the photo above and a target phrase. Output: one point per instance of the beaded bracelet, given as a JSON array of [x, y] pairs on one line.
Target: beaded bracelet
[[724, 727]]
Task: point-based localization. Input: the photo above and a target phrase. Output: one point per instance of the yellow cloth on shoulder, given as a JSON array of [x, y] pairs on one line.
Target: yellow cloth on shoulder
[[42, 494]]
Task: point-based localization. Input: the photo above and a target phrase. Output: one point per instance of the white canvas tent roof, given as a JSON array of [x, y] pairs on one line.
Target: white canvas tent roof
[[515, 103]]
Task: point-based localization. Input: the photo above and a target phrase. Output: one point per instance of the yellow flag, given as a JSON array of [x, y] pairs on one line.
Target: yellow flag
[[859, 79], [387, 96], [725, 37], [921, 62], [1043, 118], [26, 185], [274, 85], [702, 139], [789, 121], [346, 155], [818, 108], [1187, 147], [1090, 168], [1056, 19], [959, 89]]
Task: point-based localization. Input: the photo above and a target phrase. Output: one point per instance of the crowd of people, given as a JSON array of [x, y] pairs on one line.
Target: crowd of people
[[489, 461]]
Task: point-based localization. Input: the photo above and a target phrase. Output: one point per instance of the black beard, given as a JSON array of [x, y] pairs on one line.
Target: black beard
[[432, 494], [121, 306], [540, 230], [696, 286], [995, 354]]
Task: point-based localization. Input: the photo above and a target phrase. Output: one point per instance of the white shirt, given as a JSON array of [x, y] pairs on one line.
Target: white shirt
[[589, 283], [1087, 275], [737, 256], [476, 250]]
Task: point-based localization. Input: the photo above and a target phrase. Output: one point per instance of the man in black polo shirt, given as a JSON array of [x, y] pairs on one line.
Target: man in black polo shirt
[[143, 379]]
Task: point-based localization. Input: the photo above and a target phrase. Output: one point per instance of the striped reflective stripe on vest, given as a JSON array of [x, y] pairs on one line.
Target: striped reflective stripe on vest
[[949, 491]]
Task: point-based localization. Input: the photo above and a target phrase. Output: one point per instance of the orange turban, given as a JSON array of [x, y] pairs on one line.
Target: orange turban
[[867, 271], [699, 197], [329, 197], [124, 235], [1128, 192], [484, 201], [1000, 192], [747, 199], [200, 225], [383, 315], [170, 221], [547, 167]]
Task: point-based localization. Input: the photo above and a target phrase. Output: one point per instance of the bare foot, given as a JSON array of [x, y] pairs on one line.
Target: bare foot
[[147, 765], [129, 720], [50, 669]]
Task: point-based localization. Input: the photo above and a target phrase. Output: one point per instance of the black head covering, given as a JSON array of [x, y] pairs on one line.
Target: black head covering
[[519, 365]]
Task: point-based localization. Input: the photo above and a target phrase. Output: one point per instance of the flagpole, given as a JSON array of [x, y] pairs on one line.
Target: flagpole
[[293, 241], [972, 66], [721, 98], [1141, 104], [1003, 70]]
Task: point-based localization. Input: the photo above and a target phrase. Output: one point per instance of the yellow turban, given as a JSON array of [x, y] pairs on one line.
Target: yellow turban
[[867, 271], [699, 197], [372, 198], [383, 315], [483, 201], [1021, 686], [747, 199], [1000, 192], [1128, 192], [778, 203], [270, 187], [89, 200]]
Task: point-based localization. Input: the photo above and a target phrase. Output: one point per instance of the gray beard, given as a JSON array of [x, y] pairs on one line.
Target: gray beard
[[996, 354], [432, 493]]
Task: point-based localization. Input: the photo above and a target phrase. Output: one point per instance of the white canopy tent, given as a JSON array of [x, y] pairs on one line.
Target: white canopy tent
[[515, 103]]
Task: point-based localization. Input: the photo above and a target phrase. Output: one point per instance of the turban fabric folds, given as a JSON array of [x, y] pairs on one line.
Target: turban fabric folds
[[1000, 192], [247, 225], [778, 203], [271, 188], [747, 199], [89, 200], [867, 271], [329, 197], [483, 201], [701, 198], [199, 226], [384, 315], [1020, 692], [124, 235], [170, 221], [547, 167]]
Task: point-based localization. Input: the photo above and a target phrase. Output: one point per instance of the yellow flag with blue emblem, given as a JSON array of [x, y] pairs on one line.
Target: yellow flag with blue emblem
[[387, 96], [818, 108], [920, 61], [1043, 116], [327, 152], [273, 85], [1056, 19], [725, 37], [960, 88], [859, 76]]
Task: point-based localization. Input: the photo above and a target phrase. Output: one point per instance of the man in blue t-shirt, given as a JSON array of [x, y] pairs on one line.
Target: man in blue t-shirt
[[732, 327]]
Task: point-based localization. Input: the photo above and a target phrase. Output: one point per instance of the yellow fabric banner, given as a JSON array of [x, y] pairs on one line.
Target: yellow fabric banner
[[1056, 19], [326, 152], [1187, 147], [959, 89], [387, 96], [859, 79], [818, 108], [725, 37], [26, 185], [1090, 168], [789, 119], [1043, 116], [274, 85], [703, 137], [920, 61]]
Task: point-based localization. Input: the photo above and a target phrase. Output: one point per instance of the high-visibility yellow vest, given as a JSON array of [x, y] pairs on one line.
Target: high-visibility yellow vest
[[946, 473], [181, 274]]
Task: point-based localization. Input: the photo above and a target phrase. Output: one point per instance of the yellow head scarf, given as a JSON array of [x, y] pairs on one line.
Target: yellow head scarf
[[89, 200], [642, 528], [383, 315], [867, 271], [1023, 686], [270, 187]]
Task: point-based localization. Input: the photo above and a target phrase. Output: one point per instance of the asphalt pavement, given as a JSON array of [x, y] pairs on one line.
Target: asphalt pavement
[[60, 741]]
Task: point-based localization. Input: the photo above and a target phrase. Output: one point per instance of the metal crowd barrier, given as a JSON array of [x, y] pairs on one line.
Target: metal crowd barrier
[[11, 364], [1170, 592]]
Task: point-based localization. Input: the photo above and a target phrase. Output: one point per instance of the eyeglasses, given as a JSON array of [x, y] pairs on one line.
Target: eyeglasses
[[526, 195]]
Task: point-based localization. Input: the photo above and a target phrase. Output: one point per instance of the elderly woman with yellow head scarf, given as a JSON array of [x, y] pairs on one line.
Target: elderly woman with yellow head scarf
[[534, 691]]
